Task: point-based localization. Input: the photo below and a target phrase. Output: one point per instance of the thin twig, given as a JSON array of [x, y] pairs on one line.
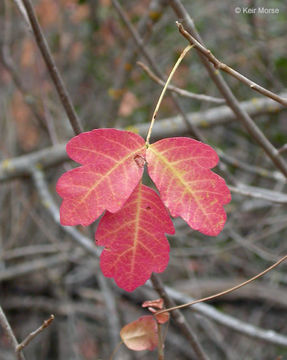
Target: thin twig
[[225, 291], [52, 156], [226, 92], [50, 205], [259, 193], [52, 68], [141, 46], [124, 71], [173, 126], [267, 335], [177, 90], [23, 12], [7, 61], [9, 333], [160, 345], [112, 315], [221, 66], [33, 334], [253, 169], [283, 149], [85, 243], [179, 319], [33, 250], [34, 266]]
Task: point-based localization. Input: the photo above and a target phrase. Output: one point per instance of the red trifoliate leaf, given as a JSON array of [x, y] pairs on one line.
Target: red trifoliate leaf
[[112, 167], [134, 240], [140, 334], [180, 168]]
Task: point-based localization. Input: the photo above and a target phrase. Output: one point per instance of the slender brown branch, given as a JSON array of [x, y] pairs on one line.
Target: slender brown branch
[[177, 90], [50, 205], [141, 46], [207, 298], [226, 92], [179, 319], [33, 266], [33, 334], [23, 12], [85, 243], [242, 327], [144, 29], [8, 63], [283, 149], [52, 68], [9, 333], [253, 169], [221, 66], [160, 342]]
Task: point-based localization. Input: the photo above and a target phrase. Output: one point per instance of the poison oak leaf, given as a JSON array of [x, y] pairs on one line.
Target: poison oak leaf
[[112, 165], [134, 240], [140, 334], [133, 228], [180, 168]]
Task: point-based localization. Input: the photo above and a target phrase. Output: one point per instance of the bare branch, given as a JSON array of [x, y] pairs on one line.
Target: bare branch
[[242, 327], [259, 193], [221, 66], [173, 126], [226, 92], [33, 250], [85, 243], [28, 267], [10, 334], [283, 149], [23, 12], [179, 91], [179, 319], [153, 14], [52, 68], [193, 131], [50, 205], [33, 334], [207, 298], [275, 175], [231, 322]]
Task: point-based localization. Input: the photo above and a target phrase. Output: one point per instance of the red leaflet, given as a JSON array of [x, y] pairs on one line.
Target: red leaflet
[[134, 240], [111, 170], [179, 168], [140, 334]]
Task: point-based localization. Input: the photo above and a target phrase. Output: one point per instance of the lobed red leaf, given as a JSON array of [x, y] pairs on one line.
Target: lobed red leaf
[[180, 168], [109, 174], [134, 240]]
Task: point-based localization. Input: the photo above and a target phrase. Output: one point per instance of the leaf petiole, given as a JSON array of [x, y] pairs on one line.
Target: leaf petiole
[[182, 55]]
